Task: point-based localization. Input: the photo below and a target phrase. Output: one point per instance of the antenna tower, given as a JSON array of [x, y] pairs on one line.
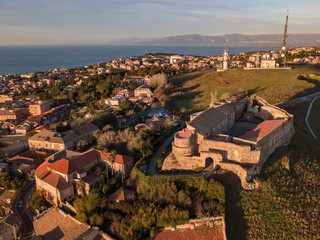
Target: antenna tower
[[284, 41]]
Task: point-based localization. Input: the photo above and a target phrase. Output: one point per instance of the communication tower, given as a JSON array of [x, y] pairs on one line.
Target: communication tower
[[284, 41]]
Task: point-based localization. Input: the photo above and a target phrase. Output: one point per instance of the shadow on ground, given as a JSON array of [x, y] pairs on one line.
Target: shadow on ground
[[235, 224]]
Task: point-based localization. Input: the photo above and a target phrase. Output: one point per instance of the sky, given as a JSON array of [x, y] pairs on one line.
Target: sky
[[47, 22]]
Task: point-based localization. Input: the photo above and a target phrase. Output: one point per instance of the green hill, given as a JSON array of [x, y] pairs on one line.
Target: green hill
[[194, 91], [286, 206]]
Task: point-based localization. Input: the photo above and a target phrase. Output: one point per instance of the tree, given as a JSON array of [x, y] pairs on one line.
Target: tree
[[82, 145], [103, 118], [60, 127], [81, 186], [112, 159], [126, 105], [107, 127], [132, 85], [105, 151]]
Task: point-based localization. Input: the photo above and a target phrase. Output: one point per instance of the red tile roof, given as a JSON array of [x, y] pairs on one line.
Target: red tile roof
[[77, 163], [184, 134], [122, 194], [54, 179], [121, 159], [262, 130]]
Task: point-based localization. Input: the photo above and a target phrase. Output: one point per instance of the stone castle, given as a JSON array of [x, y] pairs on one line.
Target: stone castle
[[237, 136]]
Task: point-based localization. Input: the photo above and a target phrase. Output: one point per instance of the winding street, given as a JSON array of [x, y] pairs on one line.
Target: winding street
[[25, 213], [152, 169]]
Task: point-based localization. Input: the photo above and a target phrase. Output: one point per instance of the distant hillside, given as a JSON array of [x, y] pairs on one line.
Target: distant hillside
[[258, 40], [194, 91]]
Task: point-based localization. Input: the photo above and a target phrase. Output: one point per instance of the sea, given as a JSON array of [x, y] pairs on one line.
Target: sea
[[28, 59]]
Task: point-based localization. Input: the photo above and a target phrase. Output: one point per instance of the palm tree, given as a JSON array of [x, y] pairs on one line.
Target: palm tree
[[105, 151], [112, 159]]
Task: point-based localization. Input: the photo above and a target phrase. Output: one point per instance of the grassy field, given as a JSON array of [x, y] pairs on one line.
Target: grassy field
[[198, 89], [286, 206], [314, 118]]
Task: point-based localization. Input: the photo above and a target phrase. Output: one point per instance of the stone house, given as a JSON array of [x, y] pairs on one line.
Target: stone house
[[113, 101], [51, 141], [139, 80], [143, 91]]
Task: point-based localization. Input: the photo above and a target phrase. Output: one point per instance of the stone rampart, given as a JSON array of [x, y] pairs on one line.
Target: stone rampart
[[231, 151], [206, 222]]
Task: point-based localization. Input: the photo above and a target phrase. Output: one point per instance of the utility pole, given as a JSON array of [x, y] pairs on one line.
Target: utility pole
[[284, 41]]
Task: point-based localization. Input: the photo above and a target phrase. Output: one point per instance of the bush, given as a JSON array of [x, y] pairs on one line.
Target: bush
[[38, 201], [126, 105]]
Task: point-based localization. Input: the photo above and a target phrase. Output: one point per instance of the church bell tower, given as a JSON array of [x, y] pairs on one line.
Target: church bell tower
[[225, 57]]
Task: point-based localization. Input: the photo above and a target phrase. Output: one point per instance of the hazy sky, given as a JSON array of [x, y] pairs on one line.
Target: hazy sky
[[33, 22]]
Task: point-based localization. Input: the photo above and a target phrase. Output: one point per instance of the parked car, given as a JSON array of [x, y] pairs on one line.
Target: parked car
[[20, 204]]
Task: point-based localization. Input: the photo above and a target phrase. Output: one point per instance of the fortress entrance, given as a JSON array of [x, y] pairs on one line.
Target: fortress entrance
[[209, 162]]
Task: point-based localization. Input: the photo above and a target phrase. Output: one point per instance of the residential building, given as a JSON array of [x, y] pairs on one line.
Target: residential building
[[49, 140], [143, 91], [16, 114], [55, 224], [57, 179], [9, 228], [8, 98], [39, 108]]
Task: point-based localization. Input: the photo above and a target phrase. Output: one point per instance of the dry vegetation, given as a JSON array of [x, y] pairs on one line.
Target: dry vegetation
[[194, 91], [286, 206]]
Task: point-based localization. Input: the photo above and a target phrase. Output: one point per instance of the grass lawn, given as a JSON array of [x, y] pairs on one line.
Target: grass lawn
[[314, 118], [197, 89], [286, 206]]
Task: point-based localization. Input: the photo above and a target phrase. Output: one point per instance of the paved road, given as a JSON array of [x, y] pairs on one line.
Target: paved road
[[307, 118], [301, 99], [25, 213]]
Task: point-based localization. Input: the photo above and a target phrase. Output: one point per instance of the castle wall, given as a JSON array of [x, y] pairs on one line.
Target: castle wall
[[266, 111], [230, 151], [240, 107], [279, 137]]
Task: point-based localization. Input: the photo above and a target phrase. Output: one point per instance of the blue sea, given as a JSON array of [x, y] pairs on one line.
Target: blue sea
[[26, 59]]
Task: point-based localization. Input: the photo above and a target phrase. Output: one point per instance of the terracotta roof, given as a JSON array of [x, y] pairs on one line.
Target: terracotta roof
[[121, 159], [262, 130], [54, 179], [55, 221], [69, 166], [122, 194], [184, 134], [36, 157]]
